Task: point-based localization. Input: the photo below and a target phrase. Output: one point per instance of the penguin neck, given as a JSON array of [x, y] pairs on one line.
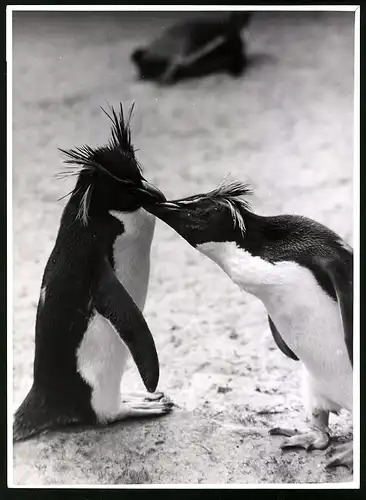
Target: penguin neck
[[138, 225], [131, 252], [270, 238], [250, 259], [251, 273]]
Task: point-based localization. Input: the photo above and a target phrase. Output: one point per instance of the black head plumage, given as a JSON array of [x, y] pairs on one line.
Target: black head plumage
[[108, 177], [219, 215], [116, 159], [229, 196]]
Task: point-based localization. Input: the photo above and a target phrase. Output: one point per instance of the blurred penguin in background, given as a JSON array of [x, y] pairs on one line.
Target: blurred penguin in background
[[194, 48]]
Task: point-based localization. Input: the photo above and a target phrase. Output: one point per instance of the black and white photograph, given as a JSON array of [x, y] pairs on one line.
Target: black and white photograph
[[183, 214]]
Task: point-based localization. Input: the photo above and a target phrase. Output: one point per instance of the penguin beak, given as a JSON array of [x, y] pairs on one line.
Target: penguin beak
[[184, 219], [152, 193], [177, 216], [163, 208], [171, 205]]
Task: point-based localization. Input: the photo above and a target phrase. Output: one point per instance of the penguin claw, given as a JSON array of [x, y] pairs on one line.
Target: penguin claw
[[279, 431], [155, 396], [143, 396], [312, 440], [344, 457], [143, 405], [164, 406]]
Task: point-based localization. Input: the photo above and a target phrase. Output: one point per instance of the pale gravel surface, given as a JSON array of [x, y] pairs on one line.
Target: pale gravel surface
[[286, 128]]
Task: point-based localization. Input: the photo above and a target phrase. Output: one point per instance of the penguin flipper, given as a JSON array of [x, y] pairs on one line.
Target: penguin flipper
[[341, 277], [116, 305], [280, 342]]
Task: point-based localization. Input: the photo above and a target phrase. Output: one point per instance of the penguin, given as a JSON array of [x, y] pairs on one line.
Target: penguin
[[194, 48], [89, 316], [303, 273]]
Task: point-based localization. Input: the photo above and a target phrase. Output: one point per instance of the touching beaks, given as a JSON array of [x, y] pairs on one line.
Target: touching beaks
[[153, 192], [171, 204]]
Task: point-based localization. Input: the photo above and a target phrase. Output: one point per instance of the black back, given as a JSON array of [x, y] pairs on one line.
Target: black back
[[224, 215], [298, 239], [69, 279], [108, 178]]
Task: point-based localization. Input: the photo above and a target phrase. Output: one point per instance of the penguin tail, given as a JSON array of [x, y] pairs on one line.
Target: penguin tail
[[36, 415], [27, 420], [24, 429]]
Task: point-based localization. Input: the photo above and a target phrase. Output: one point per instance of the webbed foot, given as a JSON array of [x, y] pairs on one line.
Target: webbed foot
[[312, 440], [343, 456]]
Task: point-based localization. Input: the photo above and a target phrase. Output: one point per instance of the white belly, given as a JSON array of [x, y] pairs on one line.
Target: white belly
[[102, 355], [309, 322], [307, 319]]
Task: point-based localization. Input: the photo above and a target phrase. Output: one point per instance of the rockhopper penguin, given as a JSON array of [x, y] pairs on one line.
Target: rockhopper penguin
[[93, 291], [303, 273]]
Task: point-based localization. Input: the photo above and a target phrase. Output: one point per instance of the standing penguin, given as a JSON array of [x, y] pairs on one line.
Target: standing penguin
[[303, 273], [195, 47], [93, 291]]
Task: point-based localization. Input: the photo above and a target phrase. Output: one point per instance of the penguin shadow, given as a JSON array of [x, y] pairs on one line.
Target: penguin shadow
[[70, 430], [74, 429]]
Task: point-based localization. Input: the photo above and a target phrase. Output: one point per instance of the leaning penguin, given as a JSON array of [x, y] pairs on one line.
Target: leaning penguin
[[303, 273], [93, 291]]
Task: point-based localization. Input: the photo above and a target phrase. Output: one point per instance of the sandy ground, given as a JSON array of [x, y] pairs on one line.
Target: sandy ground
[[286, 128]]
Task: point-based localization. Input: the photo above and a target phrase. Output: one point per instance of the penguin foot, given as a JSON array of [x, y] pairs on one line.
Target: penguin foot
[[280, 431], [312, 440], [344, 457], [143, 396], [158, 404]]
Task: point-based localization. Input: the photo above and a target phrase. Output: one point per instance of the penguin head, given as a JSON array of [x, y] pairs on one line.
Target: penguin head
[[109, 177], [137, 56], [217, 216]]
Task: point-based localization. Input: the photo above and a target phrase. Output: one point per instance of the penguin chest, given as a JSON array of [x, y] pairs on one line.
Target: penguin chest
[[309, 322], [131, 253], [307, 319]]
